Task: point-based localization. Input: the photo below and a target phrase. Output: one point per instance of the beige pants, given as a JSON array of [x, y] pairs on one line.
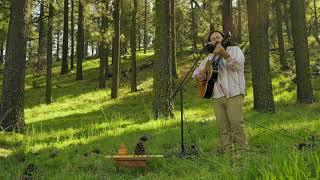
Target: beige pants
[[230, 122]]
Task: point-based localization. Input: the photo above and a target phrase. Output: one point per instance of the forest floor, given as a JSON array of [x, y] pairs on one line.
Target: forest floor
[[69, 138]]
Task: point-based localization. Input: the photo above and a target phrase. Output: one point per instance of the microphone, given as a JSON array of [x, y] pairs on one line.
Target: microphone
[[207, 48], [207, 44]]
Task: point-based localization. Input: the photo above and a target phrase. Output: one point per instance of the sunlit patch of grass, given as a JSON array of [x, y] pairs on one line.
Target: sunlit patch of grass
[[5, 152]]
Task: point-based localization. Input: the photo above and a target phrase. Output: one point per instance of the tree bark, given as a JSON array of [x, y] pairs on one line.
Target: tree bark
[[12, 102], [133, 44], [64, 66], [116, 51], [49, 56], [145, 28], [258, 23], [173, 37], [316, 34], [287, 21], [239, 27], [92, 48], [301, 52], [107, 62], [80, 41], [1, 51], [106, 72], [86, 46], [42, 39], [103, 51], [139, 40], [163, 106], [58, 47], [210, 12], [72, 36], [283, 59], [193, 26], [227, 22]]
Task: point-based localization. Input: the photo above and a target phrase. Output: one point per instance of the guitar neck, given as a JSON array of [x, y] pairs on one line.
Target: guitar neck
[[209, 63]]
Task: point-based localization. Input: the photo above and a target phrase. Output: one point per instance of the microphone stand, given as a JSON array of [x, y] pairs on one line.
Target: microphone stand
[[180, 89]]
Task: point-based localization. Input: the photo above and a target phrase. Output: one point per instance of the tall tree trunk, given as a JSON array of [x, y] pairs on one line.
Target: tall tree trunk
[[273, 27], [227, 23], [210, 12], [102, 67], [193, 25], [97, 49], [174, 39], [180, 42], [112, 52], [211, 27], [49, 56], [1, 51], [58, 47], [92, 48], [163, 106], [107, 62], [12, 101], [315, 34], [287, 21], [139, 39], [86, 46], [133, 44], [103, 51], [301, 53], [64, 67], [258, 19], [239, 27], [116, 51], [72, 36], [106, 72], [41, 47], [283, 59], [80, 41], [145, 28], [29, 52]]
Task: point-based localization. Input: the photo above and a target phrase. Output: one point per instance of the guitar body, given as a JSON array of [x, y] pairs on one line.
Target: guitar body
[[205, 88]]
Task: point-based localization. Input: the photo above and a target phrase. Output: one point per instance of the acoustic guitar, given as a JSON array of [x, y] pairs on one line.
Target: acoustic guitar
[[205, 87]]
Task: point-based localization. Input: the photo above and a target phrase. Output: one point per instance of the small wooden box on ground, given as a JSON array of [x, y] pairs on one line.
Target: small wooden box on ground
[[123, 159], [131, 162]]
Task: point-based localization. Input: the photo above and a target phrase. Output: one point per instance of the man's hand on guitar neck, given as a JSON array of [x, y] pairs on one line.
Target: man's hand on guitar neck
[[200, 77], [219, 50]]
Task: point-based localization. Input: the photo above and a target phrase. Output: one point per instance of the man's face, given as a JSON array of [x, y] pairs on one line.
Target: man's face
[[216, 38]]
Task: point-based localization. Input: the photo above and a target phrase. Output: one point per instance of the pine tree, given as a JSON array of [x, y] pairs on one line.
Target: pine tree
[[162, 88], [258, 22], [301, 53], [12, 101]]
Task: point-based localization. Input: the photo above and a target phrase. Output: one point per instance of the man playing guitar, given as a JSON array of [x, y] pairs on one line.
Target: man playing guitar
[[228, 90]]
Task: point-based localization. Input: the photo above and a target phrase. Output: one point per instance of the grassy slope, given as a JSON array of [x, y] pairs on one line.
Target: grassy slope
[[60, 137]]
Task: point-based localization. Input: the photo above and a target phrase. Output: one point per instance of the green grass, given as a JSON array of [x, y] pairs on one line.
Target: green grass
[[61, 138]]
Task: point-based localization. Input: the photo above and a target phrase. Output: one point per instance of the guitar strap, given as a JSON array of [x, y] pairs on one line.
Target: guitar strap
[[215, 62], [215, 66]]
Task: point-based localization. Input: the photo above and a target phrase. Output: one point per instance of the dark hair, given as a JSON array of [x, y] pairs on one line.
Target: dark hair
[[209, 40]]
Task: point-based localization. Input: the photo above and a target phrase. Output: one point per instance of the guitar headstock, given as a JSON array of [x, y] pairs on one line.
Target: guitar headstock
[[226, 40]]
